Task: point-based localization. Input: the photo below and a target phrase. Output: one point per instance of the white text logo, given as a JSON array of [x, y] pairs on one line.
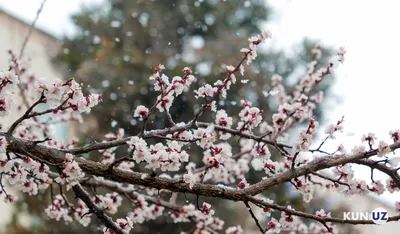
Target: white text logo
[[378, 216]]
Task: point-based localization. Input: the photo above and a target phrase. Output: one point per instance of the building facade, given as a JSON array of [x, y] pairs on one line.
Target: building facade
[[40, 48]]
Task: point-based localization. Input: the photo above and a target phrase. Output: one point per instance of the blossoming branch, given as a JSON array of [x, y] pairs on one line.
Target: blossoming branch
[[33, 160]]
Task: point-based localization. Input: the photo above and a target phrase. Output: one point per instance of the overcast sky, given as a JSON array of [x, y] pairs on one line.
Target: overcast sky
[[368, 81], [55, 15]]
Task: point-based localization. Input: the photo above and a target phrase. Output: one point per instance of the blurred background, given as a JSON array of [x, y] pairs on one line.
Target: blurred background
[[112, 47]]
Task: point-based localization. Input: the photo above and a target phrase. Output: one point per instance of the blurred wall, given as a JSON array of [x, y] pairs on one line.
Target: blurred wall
[[40, 48]]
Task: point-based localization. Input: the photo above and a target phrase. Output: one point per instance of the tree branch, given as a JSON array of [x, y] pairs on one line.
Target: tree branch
[[208, 190], [165, 131], [21, 53], [26, 114], [85, 197], [254, 217]]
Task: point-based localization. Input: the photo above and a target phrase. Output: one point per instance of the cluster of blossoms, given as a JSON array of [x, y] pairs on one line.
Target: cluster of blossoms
[[108, 155], [234, 230], [166, 157], [8, 81], [168, 88], [22, 172], [81, 213], [71, 174], [205, 136], [68, 96], [221, 87], [331, 128], [289, 222], [220, 167], [203, 218], [222, 119], [141, 111], [145, 211], [313, 77], [305, 138], [125, 224], [299, 105], [58, 210], [290, 113], [272, 167], [215, 160], [261, 155], [395, 135], [251, 51], [250, 117], [277, 86], [206, 91], [110, 202]]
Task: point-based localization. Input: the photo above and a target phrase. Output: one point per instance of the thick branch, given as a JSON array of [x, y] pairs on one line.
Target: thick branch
[[315, 165], [178, 185], [129, 192], [388, 171], [259, 202]]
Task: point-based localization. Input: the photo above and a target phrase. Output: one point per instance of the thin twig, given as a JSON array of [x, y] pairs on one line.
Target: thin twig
[[120, 160], [330, 179], [21, 52], [254, 217], [26, 114]]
